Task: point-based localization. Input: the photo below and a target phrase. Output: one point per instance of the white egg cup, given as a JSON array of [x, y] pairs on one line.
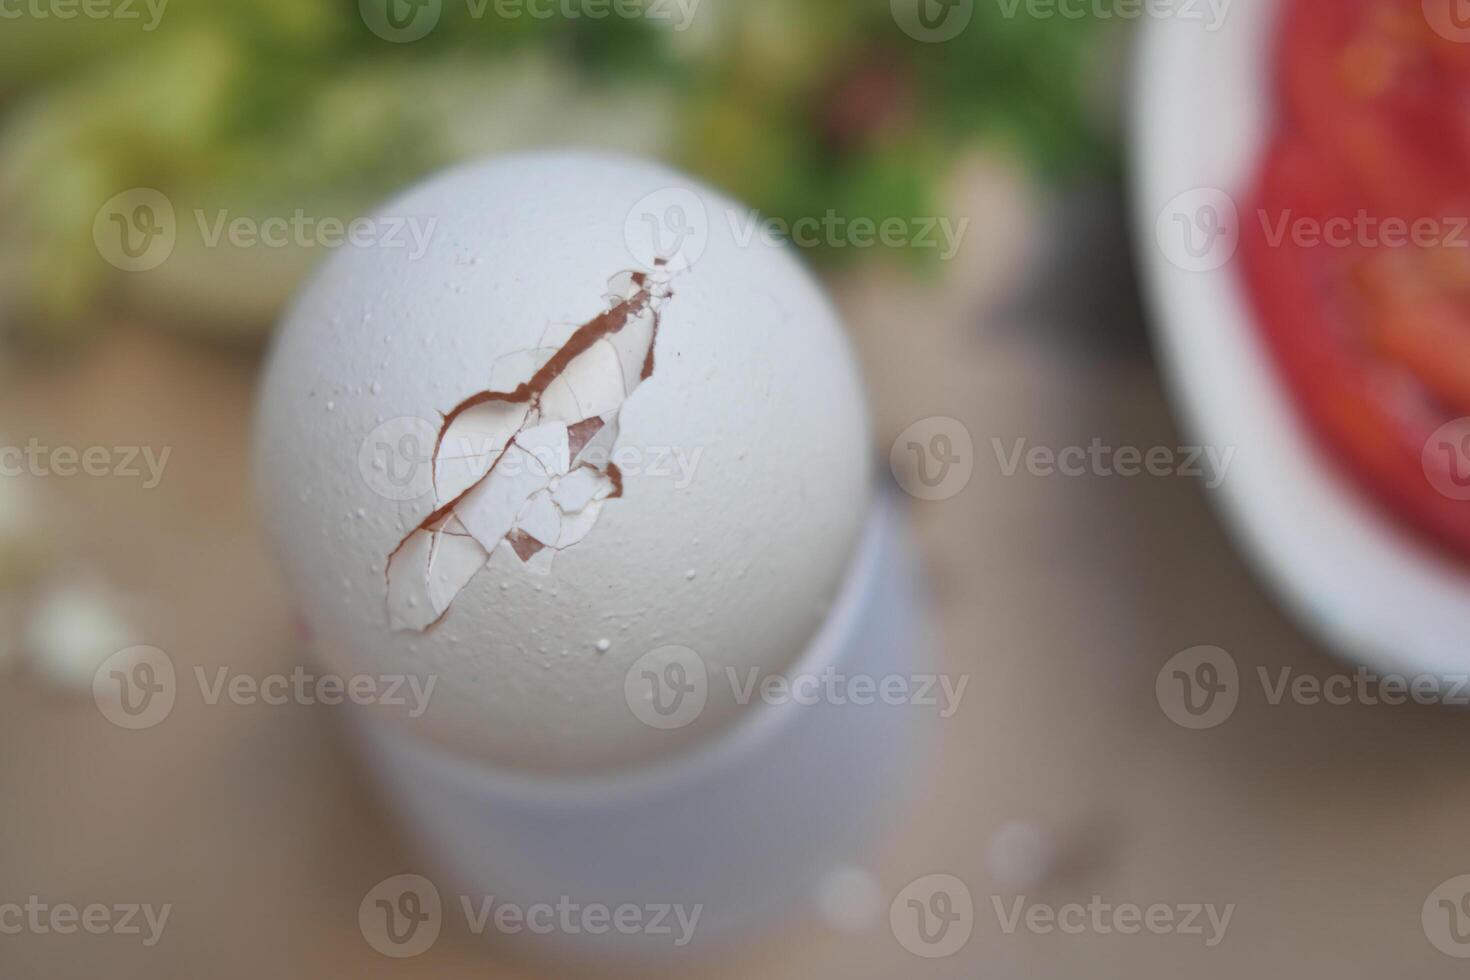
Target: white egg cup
[[743, 826]]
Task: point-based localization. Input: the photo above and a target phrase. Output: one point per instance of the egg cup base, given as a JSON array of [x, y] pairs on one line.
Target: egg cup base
[[743, 827]]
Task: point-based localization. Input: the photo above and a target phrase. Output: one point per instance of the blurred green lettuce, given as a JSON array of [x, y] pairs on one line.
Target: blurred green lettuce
[[261, 107]]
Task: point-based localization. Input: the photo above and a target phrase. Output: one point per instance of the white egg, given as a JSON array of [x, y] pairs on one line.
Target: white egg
[[618, 439]]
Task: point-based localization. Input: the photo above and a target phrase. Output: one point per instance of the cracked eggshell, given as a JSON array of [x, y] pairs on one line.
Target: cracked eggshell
[[744, 457]]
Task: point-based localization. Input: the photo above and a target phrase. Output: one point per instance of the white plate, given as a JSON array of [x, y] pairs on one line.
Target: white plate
[[1373, 592]]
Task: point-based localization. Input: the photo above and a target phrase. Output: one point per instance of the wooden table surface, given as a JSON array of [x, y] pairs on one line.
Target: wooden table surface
[[1326, 827]]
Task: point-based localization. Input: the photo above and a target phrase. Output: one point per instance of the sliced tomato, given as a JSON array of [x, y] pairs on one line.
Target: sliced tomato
[[1413, 323], [1373, 346], [1383, 97]]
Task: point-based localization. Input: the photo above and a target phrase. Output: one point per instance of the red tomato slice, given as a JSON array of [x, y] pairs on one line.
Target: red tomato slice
[[1375, 351], [1382, 96], [1413, 323]]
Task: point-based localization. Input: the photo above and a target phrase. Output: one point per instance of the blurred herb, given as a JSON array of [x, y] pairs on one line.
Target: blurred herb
[[800, 107]]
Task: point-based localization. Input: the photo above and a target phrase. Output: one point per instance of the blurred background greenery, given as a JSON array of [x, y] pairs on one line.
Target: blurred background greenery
[[266, 107]]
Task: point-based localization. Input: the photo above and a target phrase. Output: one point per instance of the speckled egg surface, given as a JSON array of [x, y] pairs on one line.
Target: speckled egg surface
[[540, 421]]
